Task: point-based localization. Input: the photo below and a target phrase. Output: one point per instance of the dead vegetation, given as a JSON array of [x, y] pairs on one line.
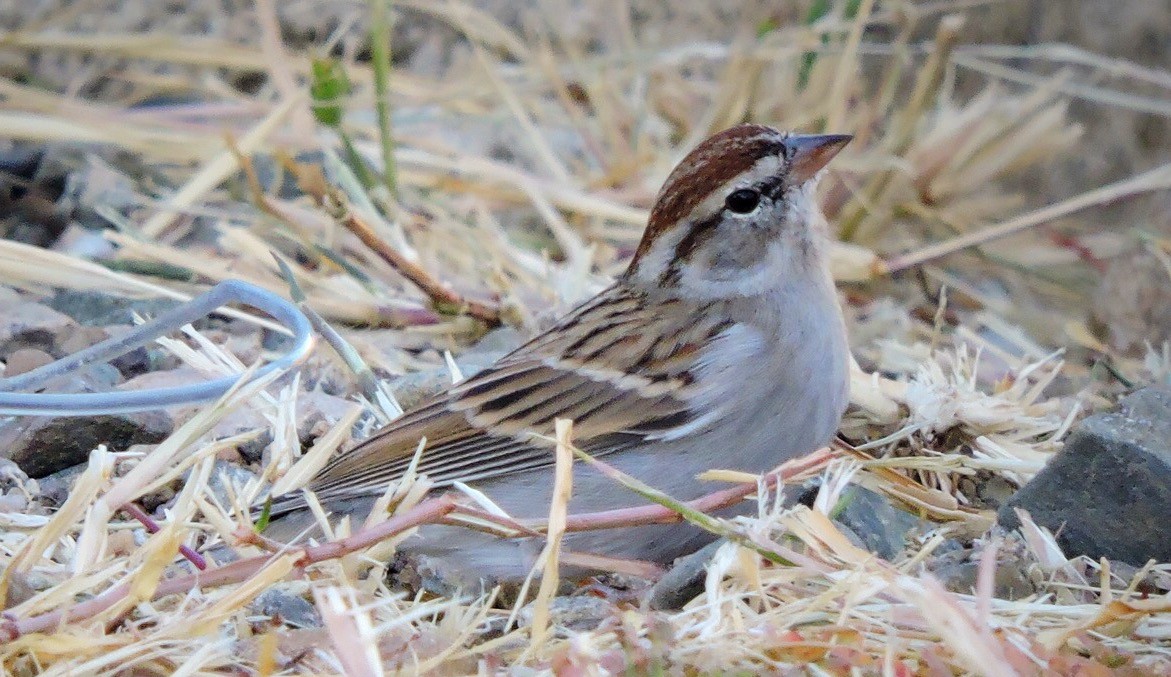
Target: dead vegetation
[[521, 182]]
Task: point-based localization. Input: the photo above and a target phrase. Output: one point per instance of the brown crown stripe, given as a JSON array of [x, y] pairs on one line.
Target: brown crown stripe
[[712, 164]]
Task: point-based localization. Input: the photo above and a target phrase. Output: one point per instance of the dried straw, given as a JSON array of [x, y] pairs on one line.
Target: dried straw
[[926, 186]]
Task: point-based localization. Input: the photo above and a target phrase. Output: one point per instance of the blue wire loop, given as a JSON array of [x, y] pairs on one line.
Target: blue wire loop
[[15, 402]]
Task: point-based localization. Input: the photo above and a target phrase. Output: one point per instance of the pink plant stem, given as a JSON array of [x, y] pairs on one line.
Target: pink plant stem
[[234, 572], [152, 526], [428, 512], [657, 514]]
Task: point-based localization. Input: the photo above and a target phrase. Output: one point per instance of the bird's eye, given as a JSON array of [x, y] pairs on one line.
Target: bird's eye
[[742, 201]]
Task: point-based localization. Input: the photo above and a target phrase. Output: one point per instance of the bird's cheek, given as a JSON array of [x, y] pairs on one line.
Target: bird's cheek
[[742, 251]]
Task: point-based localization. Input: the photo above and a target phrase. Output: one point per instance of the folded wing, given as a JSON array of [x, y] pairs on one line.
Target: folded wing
[[619, 367]]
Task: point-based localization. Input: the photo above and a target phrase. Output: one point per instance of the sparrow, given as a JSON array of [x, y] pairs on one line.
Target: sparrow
[[722, 346]]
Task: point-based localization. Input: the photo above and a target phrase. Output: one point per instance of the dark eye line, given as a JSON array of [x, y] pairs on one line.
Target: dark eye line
[[771, 189], [698, 234]]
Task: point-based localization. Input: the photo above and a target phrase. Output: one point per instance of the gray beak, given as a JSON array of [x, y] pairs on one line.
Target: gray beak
[[808, 153]]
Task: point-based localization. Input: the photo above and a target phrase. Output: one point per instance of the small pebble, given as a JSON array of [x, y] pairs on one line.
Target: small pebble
[[24, 360]]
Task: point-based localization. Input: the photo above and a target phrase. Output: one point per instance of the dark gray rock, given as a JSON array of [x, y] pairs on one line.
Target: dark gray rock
[[1108, 492], [285, 607], [99, 309], [958, 567], [55, 488], [227, 480], [876, 523], [411, 389], [417, 572], [42, 446], [870, 520], [684, 582]]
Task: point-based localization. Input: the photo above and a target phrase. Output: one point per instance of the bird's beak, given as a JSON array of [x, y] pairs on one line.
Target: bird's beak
[[808, 153]]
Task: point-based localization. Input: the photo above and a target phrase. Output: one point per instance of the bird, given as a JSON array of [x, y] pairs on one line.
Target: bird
[[721, 346]]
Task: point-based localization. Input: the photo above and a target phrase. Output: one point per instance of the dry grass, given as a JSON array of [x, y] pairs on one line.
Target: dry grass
[[523, 179]]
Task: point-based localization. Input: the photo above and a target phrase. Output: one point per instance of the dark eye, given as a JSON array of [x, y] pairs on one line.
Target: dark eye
[[742, 201]]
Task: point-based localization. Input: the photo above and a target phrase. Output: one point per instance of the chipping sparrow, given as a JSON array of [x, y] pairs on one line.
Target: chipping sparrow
[[721, 346]]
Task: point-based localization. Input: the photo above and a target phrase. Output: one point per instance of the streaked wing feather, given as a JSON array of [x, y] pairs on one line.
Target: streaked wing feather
[[618, 366]]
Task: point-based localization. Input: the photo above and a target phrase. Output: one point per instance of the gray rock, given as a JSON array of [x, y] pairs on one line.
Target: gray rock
[[411, 389], [19, 591], [417, 572], [42, 446], [870, 520], [33, 325], [1132, 305], [1010, 581], [878, 525], [163, 494], [55, 488], [571, 614], [168, 378], [684, 582], [144, 359], [99, 309], [285, 607], [957, 567], [1108, 492], [228, 479], [992, 490], [73, 320], [617, 586], [316, 412]]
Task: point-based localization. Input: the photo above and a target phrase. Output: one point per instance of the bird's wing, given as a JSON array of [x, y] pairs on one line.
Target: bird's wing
[[620, 368]]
